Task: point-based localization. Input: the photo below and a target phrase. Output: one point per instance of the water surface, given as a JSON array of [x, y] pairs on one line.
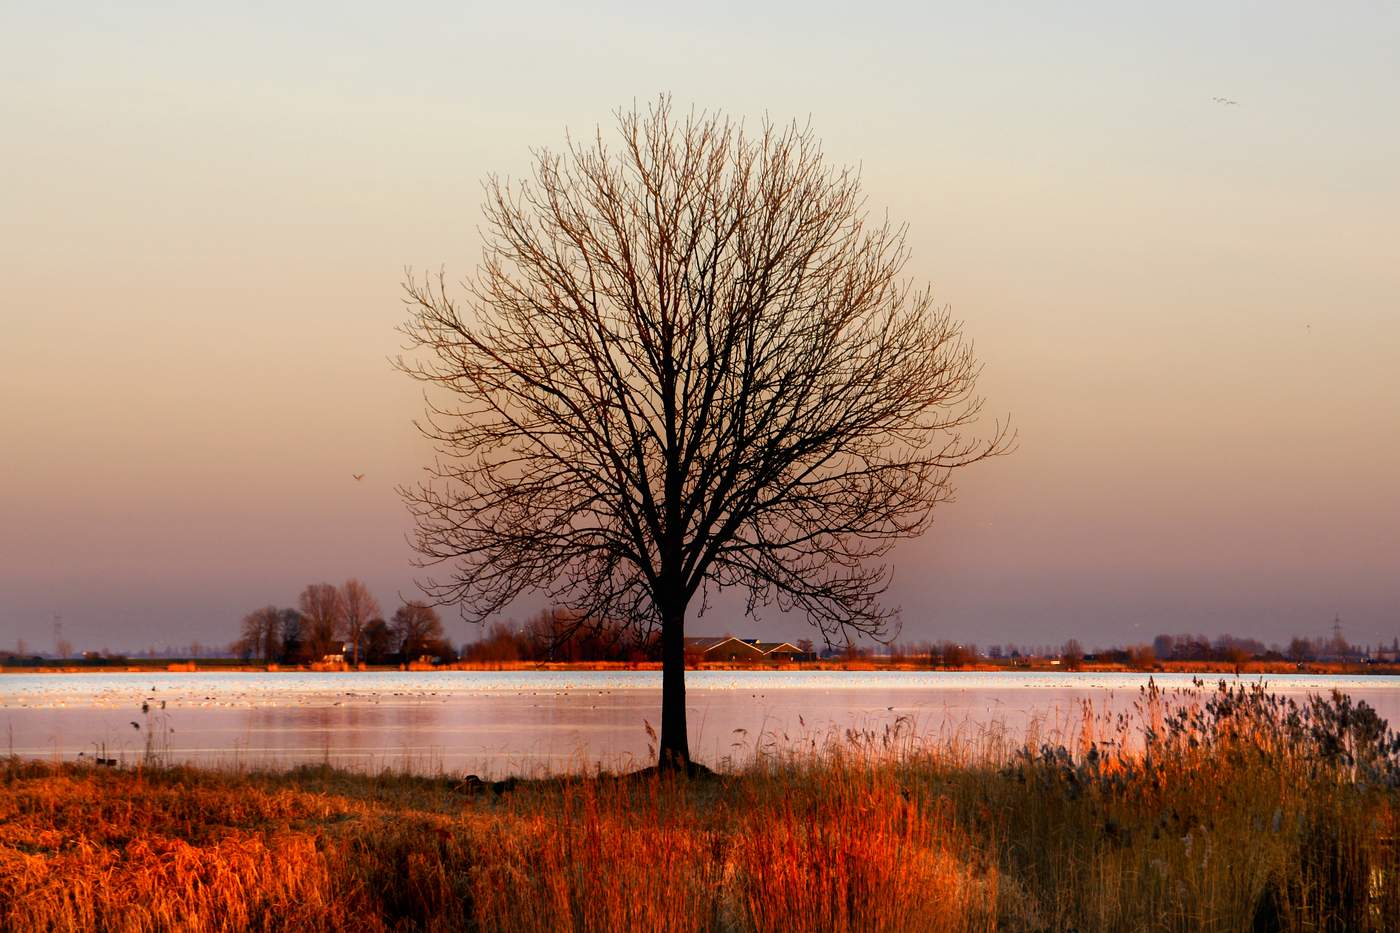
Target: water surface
[[496, 723]]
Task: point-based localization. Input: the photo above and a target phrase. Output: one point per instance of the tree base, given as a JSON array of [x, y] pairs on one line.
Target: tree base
[[692, 770]]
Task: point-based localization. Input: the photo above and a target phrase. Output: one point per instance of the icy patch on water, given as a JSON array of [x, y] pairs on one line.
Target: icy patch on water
[[258, 689], [526, 722]]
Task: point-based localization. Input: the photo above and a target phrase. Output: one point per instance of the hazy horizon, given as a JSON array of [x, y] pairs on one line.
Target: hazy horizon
[[1190, 310]]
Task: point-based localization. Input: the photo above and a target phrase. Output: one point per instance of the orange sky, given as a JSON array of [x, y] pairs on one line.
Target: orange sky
[[1192, 311]]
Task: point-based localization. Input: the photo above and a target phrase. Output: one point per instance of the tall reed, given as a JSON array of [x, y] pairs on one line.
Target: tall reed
[[1225, 809]]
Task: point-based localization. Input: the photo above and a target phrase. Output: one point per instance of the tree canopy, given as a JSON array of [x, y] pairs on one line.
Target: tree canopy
[[688, 361]]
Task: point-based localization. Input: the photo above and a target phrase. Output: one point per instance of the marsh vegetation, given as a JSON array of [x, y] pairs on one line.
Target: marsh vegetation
[[1234, 809]]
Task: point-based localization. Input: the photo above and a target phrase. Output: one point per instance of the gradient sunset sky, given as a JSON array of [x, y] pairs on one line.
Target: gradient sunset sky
[[1190, 310]]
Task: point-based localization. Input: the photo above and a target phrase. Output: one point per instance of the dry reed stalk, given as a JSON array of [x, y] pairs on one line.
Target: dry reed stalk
[[1236, 815]]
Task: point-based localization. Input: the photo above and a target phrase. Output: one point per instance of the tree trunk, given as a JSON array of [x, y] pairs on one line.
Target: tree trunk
[[675, 743]]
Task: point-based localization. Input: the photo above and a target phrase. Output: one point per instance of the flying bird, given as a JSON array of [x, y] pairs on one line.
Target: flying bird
[[1226, 101], [358, 476]]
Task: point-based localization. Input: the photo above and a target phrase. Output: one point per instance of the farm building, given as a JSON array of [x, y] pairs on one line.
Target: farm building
[[722, 648], [781, 651], [729, 648]]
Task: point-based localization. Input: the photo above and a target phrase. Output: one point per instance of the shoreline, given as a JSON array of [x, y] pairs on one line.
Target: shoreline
[[1171, 667], [1240, 818]]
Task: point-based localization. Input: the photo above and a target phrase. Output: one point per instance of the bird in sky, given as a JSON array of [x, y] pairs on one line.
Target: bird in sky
[[358, 476], [1226, 101]]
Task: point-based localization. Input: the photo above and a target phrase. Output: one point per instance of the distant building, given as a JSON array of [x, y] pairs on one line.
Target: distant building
[[725, 647], [729, 648], [781, 651], [722, 648]]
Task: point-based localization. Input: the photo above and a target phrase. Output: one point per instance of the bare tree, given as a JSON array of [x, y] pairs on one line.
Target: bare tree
[[323, 619], [359, 607], [417, 629], [379, 641], [684, 364], [1072, 654], [293, 637], [262, 634], [1142, 657]]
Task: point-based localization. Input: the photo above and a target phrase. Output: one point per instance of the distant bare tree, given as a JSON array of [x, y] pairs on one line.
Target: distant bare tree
[[686, 363], [1142, 657], [293, 647], [323, 619], [418, 630], [502, 642], [379, 641], [358, 606], [262, 634], [951, 654], [1072, 654], [1238, 655]]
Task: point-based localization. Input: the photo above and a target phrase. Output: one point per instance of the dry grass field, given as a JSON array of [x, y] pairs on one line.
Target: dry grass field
[[1236, 811]]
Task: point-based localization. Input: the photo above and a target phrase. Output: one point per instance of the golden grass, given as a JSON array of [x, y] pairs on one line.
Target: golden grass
[[1233, 819]]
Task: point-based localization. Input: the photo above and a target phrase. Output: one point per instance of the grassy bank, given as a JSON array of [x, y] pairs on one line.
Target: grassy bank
[[1236, 811]]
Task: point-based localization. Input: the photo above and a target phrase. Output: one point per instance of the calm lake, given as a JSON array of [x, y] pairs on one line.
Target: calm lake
[[497, 723]]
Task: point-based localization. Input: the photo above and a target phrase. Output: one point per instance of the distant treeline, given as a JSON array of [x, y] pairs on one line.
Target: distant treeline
[[1183, 647], [331, 622], [1230, 648], [558, 636]]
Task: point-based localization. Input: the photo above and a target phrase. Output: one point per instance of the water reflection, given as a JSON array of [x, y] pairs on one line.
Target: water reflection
[[495, 724]]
